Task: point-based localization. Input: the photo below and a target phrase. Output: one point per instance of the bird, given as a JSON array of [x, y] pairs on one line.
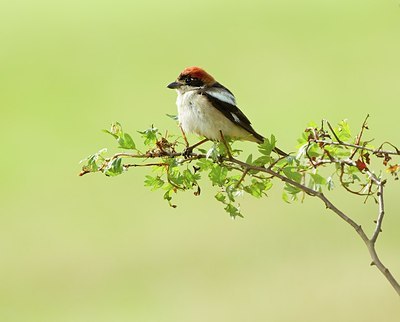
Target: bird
[[207, 108]]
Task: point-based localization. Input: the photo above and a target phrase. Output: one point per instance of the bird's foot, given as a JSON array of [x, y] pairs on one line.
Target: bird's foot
[[187, 152]]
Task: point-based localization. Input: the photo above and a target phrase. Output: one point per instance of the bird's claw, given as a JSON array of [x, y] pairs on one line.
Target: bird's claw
[[187, 152]]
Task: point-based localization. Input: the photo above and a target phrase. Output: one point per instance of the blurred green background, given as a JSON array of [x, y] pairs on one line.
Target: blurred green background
[[107, 249]]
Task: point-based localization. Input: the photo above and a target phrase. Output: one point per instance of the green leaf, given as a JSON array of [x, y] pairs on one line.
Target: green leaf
[[189, 178], [126, 142], [153, 182], [273, 140], [175, 176], [220, 197], [318, 179], [263, 160], [114, 168], [204, 164], [167, 196], [173, 117], [257, 188], [337, 151], [93, 161], [289, 195], [343, 131], [218, 175], [267, 146], [285, 197], [233, 211], [149, 135], [249, 159], [108, 132], [91, 164], [292, 189], [303, 140], [291, 173], [314, 150]]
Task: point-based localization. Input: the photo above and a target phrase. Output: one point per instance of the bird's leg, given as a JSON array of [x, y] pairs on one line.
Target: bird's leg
[[189, 149], [184, 137], [228, 151]]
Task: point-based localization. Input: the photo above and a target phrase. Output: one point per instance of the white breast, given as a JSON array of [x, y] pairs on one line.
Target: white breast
[[197, 115]]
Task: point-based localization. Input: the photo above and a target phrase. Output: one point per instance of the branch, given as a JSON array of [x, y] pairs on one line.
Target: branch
[[370, 243], [378, 152], [381, 212], [359, 136], [245, 168], [307, 190], [294, 172]]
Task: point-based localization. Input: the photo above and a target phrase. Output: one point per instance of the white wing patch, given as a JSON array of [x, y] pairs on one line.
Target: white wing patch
[[224, 96], [237, 120]]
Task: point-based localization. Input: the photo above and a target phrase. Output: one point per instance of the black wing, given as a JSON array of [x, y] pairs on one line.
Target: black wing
[[234, 114]]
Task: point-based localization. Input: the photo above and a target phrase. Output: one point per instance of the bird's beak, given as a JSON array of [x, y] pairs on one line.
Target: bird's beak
[[174, 85]]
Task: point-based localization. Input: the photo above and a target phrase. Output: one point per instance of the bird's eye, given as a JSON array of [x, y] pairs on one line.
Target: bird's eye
[[188, 80]]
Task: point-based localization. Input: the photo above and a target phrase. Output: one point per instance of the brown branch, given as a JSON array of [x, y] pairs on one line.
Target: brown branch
[[388, 152], [370, 243], [329, 205], [344, 184], [83, 172], [334, 134], [352, 163], [308, 155], [134, 165], [358, 140], [378, 151], [381, 213], [245, 168], [242, 177]]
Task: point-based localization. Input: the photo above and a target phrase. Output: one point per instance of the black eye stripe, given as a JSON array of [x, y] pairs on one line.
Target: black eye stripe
[[193, 81]]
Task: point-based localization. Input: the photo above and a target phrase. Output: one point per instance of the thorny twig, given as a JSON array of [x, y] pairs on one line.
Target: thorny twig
[[378, 152], [359, 136]]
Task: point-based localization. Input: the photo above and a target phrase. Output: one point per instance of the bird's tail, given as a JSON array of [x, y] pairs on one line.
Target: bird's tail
[[280, 152]]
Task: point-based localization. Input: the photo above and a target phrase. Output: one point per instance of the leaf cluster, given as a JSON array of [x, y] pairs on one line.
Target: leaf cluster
[[327, 157]]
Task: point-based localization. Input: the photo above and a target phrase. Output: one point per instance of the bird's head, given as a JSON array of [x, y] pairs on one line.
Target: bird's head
[[192, 78]]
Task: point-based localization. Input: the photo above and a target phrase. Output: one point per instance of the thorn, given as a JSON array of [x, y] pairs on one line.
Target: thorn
[[372, 263]]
